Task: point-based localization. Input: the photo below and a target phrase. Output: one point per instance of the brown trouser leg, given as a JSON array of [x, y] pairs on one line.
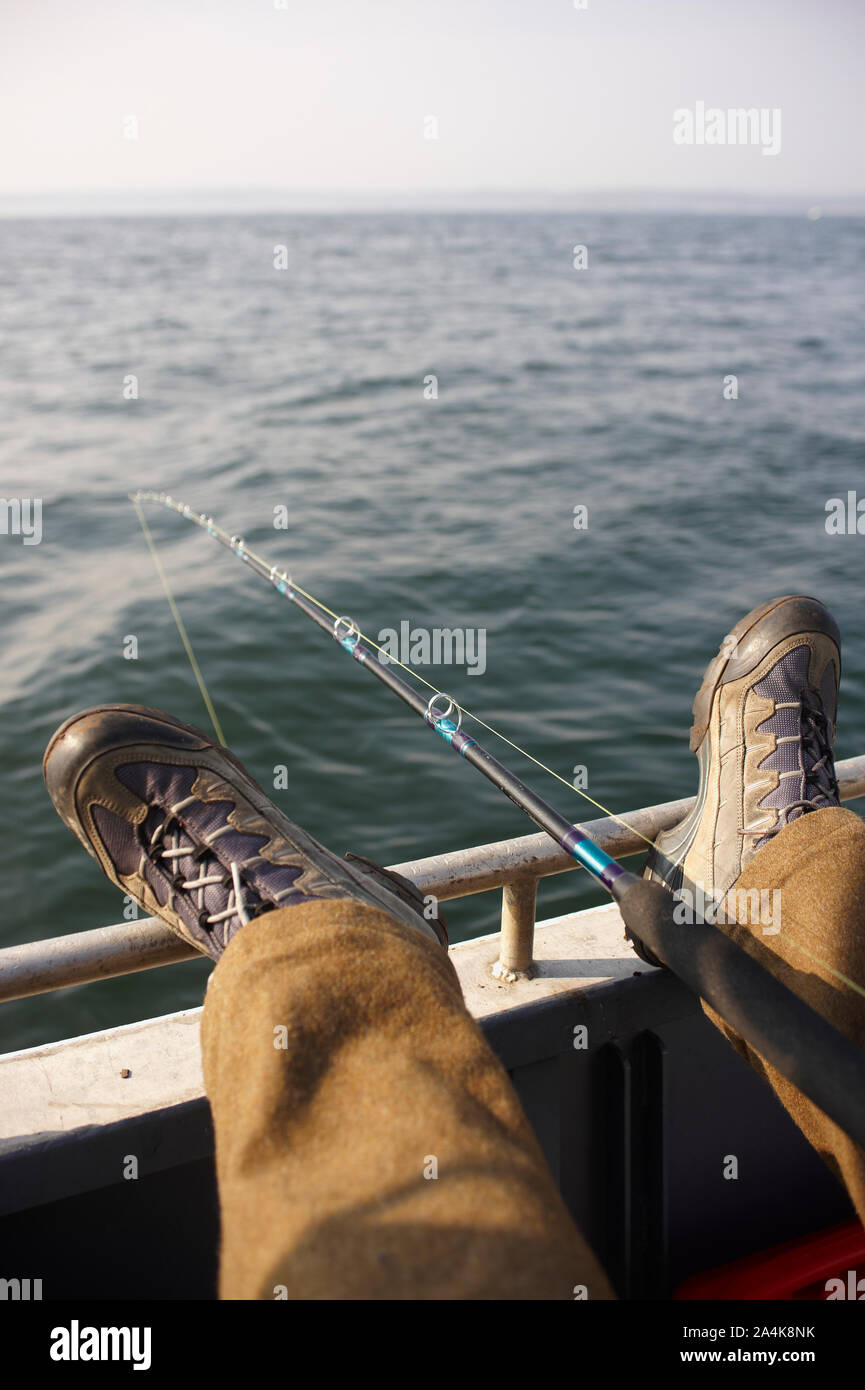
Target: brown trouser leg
[[818, 864], [368, 1143], [343, 1071]]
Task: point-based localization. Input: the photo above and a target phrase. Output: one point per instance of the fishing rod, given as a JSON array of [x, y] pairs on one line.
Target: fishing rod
[[446, 722], [773, 1020]]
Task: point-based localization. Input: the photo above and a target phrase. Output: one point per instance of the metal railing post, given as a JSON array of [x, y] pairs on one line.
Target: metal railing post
[[516, 952]]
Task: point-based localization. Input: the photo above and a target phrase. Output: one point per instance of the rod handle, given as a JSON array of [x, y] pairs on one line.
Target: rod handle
[[772, 1019]]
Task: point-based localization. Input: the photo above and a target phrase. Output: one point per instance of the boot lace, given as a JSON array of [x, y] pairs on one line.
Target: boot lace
[[169, 845], [819, 784]]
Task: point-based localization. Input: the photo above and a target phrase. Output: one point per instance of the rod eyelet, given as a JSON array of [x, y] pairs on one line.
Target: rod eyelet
[[352, 631], [279, 579], [435, 716]]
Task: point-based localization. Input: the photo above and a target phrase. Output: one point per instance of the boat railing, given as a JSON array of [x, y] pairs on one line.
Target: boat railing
[[515, 866]]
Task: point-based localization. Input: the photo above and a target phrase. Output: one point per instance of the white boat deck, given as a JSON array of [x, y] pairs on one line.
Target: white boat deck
[[93, 1081]]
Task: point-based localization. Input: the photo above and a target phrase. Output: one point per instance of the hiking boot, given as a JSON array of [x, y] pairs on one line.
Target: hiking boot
[[178, 823], [764, 724]]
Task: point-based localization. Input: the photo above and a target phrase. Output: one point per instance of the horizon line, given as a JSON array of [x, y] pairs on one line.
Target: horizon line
[[265, 200]]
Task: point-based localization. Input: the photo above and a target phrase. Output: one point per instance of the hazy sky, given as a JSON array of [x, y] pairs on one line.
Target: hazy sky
[[331, 95]]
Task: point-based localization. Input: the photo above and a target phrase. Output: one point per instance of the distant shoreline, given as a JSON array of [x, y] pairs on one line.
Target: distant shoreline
[[266, 202]]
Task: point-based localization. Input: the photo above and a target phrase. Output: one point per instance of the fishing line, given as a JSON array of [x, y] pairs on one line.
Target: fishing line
[[196, 669]]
